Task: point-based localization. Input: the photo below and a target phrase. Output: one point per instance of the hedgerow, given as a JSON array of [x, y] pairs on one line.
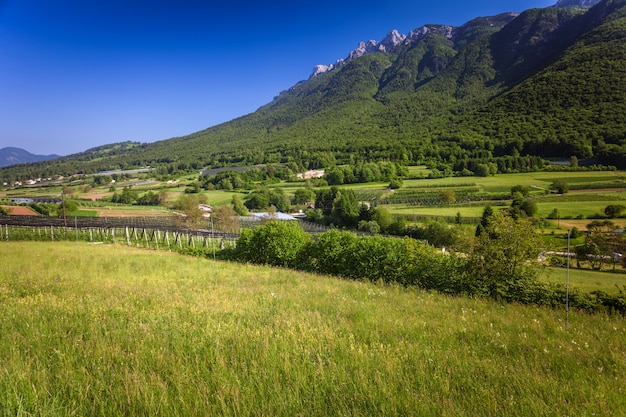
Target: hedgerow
[[407, 262]]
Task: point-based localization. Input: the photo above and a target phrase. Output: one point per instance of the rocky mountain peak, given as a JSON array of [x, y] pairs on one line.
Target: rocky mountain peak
[[577, 3], [420, 33], [395, 38]]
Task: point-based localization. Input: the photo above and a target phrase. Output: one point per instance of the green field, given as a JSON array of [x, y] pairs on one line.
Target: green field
[[587, 280], [110, 330], [84, 213], [417, 197]]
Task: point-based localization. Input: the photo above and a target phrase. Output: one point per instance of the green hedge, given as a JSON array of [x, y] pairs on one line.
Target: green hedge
[[403, 261]]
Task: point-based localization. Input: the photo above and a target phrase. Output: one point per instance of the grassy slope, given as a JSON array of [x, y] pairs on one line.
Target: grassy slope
[[111, 330]]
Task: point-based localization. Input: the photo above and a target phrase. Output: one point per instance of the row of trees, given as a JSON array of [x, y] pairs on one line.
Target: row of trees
[[501, 265], [365, 172]]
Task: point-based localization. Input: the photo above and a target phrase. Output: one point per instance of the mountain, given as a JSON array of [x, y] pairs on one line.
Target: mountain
[[546, 82], [577, 3], [12, 156]]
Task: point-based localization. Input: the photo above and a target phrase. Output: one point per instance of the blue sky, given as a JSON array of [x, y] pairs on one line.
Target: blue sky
[[75, 74]]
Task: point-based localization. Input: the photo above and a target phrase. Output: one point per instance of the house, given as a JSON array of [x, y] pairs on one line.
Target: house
[[265, 216], [314, 173], [206, 210]]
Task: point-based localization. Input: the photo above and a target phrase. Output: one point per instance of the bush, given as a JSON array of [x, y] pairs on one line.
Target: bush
[[395, 184], [614, 210], [278, 243], [376, 258], [560, 186], [411, 263]]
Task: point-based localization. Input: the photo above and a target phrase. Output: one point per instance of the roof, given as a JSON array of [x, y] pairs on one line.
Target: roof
[[278, 216]]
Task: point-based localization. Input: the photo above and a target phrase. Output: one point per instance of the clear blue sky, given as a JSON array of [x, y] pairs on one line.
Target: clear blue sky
[[75, 74]]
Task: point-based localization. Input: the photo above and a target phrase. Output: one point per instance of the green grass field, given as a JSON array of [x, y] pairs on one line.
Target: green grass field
[[109, 330], [586, 280], [84, 213]]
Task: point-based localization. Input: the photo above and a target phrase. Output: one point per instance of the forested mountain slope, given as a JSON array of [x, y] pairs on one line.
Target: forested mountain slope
[[547, 82]]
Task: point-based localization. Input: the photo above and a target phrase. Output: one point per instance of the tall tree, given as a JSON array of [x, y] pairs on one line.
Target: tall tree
[[504, 257]]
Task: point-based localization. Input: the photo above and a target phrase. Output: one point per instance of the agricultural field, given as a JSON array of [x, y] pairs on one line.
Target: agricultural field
[[590, 192], [112, 330]]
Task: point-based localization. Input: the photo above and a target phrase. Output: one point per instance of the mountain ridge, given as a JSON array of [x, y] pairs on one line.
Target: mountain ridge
[[13, 156], [394, 38], [548, 83]]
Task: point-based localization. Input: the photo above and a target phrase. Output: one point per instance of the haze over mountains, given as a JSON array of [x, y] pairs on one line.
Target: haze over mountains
[[547, 82], [12, 156]]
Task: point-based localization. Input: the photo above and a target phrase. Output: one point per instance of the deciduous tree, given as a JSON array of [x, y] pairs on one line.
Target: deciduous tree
[[504, 257]]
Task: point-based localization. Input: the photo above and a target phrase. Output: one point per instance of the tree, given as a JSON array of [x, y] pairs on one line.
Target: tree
[[369, 226], [525, 191], [439, 233], [225, 219], [345, 211], [602, 243], [554, 214], [383, 217], [484, 220], [68, 206], [502, 261], [560, 186], [238, 206], [448, 196], [303, 196], [257, 200], [324, 199], [334, 176], [128, 196], [395, 184], [529, 207], [188, 205], [614, 210]]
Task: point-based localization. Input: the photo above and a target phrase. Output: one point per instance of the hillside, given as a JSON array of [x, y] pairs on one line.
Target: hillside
[[127, 331], [547, 82]]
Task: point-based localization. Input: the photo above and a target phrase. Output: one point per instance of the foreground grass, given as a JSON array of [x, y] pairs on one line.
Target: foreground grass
[[111, 330]]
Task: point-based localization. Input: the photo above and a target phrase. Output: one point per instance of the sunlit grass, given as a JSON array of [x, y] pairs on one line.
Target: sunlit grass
[[112, 330], [576, 208], [586, 280]]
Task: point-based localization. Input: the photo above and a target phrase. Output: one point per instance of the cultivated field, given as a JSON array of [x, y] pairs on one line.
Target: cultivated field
[[20, 210], [111, 330]]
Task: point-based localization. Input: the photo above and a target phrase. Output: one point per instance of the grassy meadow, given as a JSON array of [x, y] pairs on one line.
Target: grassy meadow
[[111, 330], [586, 280]]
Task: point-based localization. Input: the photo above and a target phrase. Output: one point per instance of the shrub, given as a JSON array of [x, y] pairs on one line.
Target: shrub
[[277, 243], [614, 210], [395, 184], [560, 186]]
